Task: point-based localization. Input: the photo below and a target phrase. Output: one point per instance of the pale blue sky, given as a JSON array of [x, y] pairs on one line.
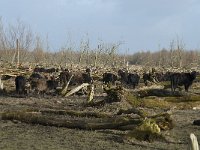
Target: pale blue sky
[[141, 24]]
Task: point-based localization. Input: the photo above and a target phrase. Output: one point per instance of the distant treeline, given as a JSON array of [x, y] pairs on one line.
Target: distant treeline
[[167, 58], [66, 57], [19, 43]]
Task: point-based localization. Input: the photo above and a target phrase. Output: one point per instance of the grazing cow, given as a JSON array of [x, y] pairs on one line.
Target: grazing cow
[[42, 85], [64, 77], [133, 79], [148, 77], [180, 79], [39, 85], [129, 78], [37, 69], [164, 76], [48, 70], [123, 76], [20, 84], [36, 76], [51, 70], [109, 78], [78, 77], [36, 81], [52, 84], [87, 78]]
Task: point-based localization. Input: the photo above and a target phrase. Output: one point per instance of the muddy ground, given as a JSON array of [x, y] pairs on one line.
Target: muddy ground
[[18, 135]]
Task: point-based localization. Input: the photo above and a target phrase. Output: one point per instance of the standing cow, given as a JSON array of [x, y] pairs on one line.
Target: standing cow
[[109, 78], [123, 74], [180, 79], [20, 84], [133, 79], [129, 78], [64, 77]]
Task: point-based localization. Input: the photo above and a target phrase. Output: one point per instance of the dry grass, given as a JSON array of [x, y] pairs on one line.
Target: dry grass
[[156, 102]]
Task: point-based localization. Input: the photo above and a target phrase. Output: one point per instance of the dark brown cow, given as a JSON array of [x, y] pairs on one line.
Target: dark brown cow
[[36, 76], [148, 77], [64, 77], [133, 79], [109, 78], [123, 74], [41, 85], [20, 84], [180, 79], [78, 77], [44, 70], [129, 78]]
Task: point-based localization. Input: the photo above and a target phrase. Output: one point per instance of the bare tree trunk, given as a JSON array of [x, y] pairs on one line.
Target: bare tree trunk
[[179, 55], [95, 59], [172, 54], [17, 42]]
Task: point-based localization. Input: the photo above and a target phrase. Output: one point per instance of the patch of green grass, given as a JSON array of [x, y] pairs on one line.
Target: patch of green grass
[[133, 100], [198, 78], [155, 103], [166, 84], [185, 98]]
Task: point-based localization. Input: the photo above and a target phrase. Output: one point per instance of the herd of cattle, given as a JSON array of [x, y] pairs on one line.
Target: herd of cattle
[[40, 83]]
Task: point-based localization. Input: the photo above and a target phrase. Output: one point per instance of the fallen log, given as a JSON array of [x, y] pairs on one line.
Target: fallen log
[[76, 113], [96, 104], [164, 121], [157, 92], [134, 111], [114, 122], [38, 118], [76, 89]]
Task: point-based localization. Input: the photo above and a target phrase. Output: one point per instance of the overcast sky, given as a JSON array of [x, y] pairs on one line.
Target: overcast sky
[[140, 24]]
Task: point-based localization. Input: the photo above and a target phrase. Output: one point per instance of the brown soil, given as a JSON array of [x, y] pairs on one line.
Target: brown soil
[[17, 135]]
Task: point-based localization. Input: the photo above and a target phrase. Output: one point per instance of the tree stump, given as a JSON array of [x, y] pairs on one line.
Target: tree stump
[[114, 94]]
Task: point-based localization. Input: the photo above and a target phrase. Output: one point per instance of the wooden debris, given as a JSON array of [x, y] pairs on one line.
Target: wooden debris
[[193, 142], [38, 118], [91, 93], [164, 121], [76, 113], [1, 85], [156, 92], [148, 130], [101, 121], [96, 104], [114, 94], [76, 89], [134, 111], [64, 91]]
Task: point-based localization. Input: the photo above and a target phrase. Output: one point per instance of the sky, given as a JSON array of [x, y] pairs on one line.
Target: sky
[[137, 24]]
